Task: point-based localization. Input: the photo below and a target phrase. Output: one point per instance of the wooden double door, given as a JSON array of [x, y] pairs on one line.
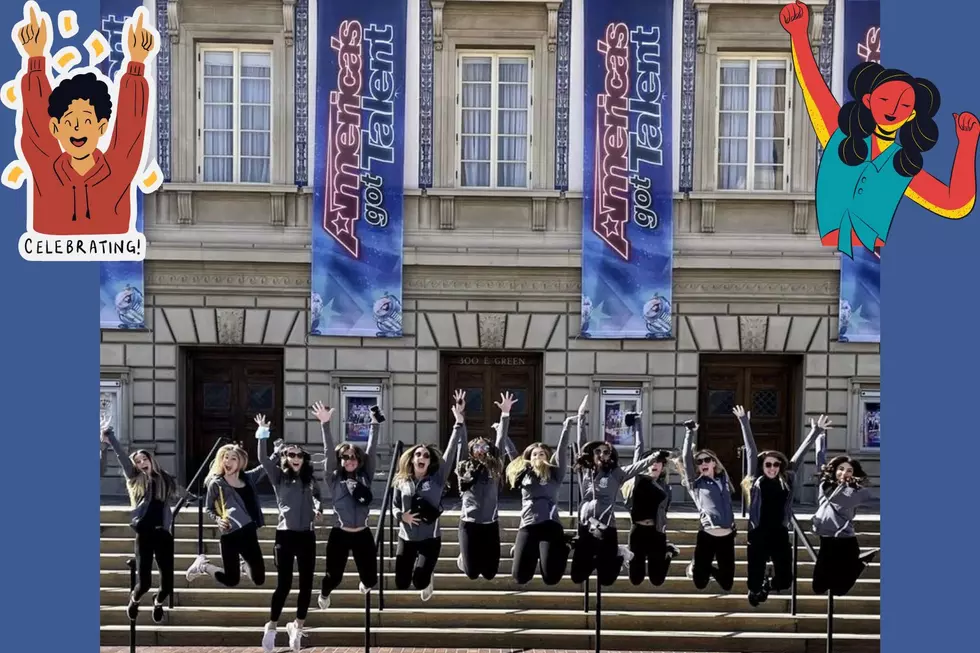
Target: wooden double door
[[764, 385], [226, 389]]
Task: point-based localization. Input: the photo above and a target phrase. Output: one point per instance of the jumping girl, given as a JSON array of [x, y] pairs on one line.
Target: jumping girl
[[480, 475], [233, 503], [710, 488], [349, 472], [150, 490], [874, 146], [298, 501], [841, 491], [769, 493], [417, 504], [540, 541], [600, 477], [647, 498]]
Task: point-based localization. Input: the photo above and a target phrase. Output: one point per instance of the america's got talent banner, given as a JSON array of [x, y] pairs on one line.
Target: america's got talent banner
[[627, 230], [358, 176], [121, 282], [860, 277]]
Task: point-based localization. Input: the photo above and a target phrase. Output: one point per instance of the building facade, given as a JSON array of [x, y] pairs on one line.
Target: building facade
[[492, 267]]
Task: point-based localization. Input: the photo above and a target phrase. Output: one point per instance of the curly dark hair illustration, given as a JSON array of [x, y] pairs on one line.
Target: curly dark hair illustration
[[86, 86]]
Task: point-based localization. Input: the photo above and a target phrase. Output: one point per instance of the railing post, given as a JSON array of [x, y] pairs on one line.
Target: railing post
[[796, 561], [598, 615], [830, 622], [200, 517], [381, 553], [367, 622], [131, 563], [585, 603]]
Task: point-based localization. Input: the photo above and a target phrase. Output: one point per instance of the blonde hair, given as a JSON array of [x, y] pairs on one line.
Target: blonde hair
[[137, 485], [217, 465], [491, 459], [406, 471], [719, 468], [519, 465]]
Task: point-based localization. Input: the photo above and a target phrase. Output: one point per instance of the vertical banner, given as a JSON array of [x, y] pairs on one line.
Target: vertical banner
[[121, 282], [358, 174], [627, 230], [860, 277]]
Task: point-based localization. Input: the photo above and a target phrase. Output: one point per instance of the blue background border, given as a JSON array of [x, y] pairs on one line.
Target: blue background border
[[51, 482]]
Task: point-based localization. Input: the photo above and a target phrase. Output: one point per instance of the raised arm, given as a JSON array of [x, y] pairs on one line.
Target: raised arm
[[817, 427], [261, 437], [370, 452], [821, 450], [638, 466], [687, 455], [38, 145], [562, 456], [638, 444], [503, 442], [323, 415], [128, 469], [820, 103], [452, 447], [748, 441], [956, 200], [125, 150]]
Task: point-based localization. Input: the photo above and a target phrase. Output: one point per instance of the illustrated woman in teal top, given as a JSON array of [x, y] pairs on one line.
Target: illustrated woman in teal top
[[874, 144]]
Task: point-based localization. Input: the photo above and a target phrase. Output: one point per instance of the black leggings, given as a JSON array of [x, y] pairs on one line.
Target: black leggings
[[154, 543], [340, 545], [415, 562], [245, 543], [596, 554], [541, 546], [838, 565], [649, 547], [301, 547], [479, 546], [712, 548], [767, 544]]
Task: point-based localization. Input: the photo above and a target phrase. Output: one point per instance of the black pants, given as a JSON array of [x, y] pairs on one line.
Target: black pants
[[479, 545], [245, 543], [540, 546], [154, 543], [298, 546], [596, 554], [340, 545], [838, 565], [415, 562], [767, 544], [711, 548], [649, 547]]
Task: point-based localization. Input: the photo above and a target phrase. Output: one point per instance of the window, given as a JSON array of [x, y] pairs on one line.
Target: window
[[356, 402], [617, 403], [235, 114], [494, 120], [753, 123], [864, 419]]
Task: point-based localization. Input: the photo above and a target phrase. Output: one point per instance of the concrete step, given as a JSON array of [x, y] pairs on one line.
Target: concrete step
[[509, 638], [447, 564], [651, 599], [674, 583], [513, 618]]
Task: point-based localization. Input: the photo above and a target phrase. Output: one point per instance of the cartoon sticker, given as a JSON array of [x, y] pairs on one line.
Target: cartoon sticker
[[874, 144], [82, 140]]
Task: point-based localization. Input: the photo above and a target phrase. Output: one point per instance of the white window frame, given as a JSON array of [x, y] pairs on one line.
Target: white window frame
[[609, 393], [753, 59], [495, 55], [114, 381], [371, 391], [863, 391], [237, 49]]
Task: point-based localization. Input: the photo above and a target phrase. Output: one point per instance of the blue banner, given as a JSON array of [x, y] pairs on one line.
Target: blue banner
[[860, 277], [627, 229], [121, 282], [358, 172]]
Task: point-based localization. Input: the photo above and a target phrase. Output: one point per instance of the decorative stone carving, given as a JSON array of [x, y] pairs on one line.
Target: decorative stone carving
[[492, 327], [185, 207], [288, 20], [702, 10], [437, 6], [165, 22], [231, 325], [173, 19], [425, 93], [752, 332], [277, 215], [688, 64], [301, 88], [553, 25], [447, 213], [801, 211], [563, 72], [708, 216], [539, 214], [816, 30]]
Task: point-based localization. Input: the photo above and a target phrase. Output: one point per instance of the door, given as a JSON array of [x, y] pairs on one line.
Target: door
[[764, 386], [226, 388], [484, 377]]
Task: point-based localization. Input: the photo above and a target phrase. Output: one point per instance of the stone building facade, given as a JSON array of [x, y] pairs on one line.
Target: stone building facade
[[492, 276]]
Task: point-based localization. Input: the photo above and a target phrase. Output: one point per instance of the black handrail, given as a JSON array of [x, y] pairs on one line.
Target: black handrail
[[798, 535], [131, 563], [379, 543]]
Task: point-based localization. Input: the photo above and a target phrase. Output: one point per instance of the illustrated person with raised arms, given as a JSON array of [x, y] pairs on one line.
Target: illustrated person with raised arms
[[769, 494], [874, 145]]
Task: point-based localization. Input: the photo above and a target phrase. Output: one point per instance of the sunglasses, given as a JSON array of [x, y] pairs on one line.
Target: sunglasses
[[773, 465], [705, 461], [484, 447], [293, 455], [604, 452], [422, 454], [347, 457]]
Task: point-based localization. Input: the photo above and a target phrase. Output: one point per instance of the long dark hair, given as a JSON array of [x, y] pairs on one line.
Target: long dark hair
[[856, 121], [339, 452], [828, 473], [305, 473], [586, 459]]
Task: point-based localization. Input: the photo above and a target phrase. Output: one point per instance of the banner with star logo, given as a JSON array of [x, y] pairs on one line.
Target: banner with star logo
[[358, 182], [627, 230], [859, 316]]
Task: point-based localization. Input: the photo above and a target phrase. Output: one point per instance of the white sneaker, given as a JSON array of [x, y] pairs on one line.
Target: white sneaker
[[196, 570], [362, 589], [244, 569], [459, 563], [269, 639], [323, 602], [689, 572], [625, 553], [426, 594], [296, 635]]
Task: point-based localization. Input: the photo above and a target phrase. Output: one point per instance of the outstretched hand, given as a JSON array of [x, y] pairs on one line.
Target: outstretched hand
[[822, 423], [321, 412], [506, 402], [740, 412], [139, 40], [795, 18], [584, 405], [33, 34]]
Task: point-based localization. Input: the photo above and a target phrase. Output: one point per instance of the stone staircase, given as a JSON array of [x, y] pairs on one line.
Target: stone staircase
[[495, 614]]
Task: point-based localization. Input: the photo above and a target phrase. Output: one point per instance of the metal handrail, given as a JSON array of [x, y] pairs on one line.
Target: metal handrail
[[131, 563], [379, 545], [798, 535]]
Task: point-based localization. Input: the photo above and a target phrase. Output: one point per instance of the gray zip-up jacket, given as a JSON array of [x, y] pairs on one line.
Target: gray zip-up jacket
[[539, 497], [660, 519], [430, 488], [298, 503], [480, 500], [836, 504], [751, 455], [348, 513], [599, 487], [710, 495], [130, 472], [223, 502]]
